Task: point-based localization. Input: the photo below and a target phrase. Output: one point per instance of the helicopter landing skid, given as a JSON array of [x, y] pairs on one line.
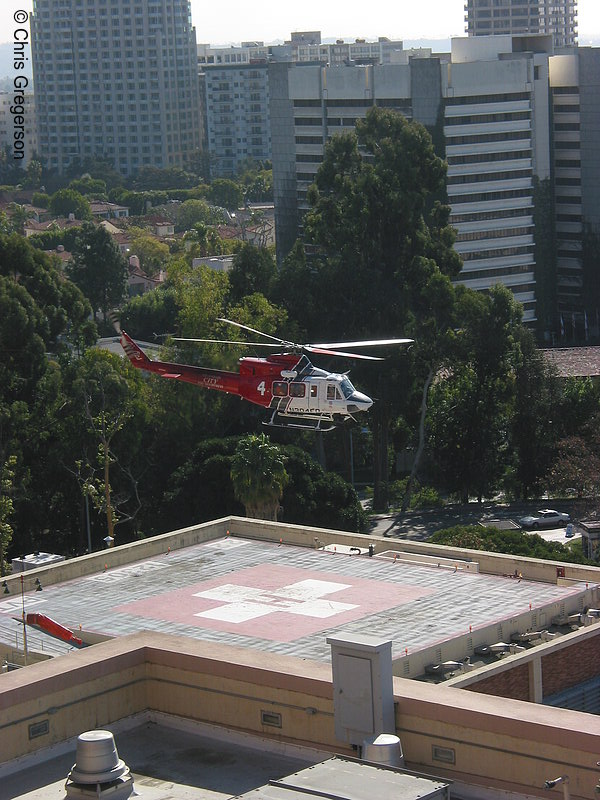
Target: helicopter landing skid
[[288, 421]]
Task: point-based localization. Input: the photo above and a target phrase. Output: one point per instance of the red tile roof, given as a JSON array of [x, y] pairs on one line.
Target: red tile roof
[[575, 362]]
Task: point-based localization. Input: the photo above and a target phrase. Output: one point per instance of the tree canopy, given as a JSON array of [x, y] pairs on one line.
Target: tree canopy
[[98, 268]]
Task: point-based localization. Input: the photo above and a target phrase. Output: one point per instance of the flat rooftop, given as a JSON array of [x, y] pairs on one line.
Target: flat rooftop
[[280, 598], [166, 763]]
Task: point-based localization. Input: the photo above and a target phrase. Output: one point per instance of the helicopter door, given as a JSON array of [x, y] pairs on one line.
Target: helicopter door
[[334, 398]]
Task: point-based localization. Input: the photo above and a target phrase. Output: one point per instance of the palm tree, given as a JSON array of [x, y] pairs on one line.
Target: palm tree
[[258, 475]]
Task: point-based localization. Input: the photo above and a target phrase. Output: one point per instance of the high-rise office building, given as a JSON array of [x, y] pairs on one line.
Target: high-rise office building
[[557, 18], [117, 79]]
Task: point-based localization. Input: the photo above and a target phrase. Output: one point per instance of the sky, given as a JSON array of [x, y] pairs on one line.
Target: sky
[[272, 20]]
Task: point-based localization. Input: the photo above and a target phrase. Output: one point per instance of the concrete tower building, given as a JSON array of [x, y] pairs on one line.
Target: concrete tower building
[[117, 79], [237, 115], [557, 18]]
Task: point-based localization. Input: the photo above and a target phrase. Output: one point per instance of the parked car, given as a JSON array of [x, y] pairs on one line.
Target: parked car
[[546, 518]]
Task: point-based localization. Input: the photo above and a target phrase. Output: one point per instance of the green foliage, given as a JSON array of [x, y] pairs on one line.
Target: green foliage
[[168, 178], [474, 537], [258, 475], [421, 496], [255, 311], [63, 307], [86, 185], [98, 268], [33, 174], [51, 239], [150, 314], [319, 498], [225, 193], [152, 253], [469, 407], [40, 200], [257, 181], [192, 212], [202, 489], [68, 201], [253, 270], [7, 474], [577, 462], [201, 295]]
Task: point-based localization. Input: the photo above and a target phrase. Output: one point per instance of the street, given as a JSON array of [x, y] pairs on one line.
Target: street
[[421, 524]]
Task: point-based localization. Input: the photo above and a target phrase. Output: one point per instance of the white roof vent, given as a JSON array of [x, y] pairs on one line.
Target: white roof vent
[[98, 771]]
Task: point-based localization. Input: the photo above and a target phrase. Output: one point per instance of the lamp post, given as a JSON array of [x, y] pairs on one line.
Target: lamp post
[[38, 588], [23, 619]]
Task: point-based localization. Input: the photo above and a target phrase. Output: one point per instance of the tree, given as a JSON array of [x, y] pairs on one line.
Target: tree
[[18, 217], [98, 268], [471, 404], [259, 476], [533, 428], [201, 489], [163, 178], [225, 193], [381, 242], [151, 314], [67, 201], [86, 185], [39, 312], [253, 270], [493, 540], [153, 254], [110, 457], [6, 508], [191, 212]]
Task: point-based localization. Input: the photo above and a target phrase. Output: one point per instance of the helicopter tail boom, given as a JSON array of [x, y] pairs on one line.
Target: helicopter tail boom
[[220, 380]]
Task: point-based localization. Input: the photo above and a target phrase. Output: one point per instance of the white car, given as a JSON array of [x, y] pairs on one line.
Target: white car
[[546, 518]]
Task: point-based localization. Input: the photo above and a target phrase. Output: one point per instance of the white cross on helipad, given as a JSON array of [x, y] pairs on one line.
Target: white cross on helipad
[[306, 598]]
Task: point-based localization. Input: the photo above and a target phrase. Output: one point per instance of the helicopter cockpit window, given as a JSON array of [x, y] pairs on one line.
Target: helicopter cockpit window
[[347, 388], [297, 389], [280, 389]]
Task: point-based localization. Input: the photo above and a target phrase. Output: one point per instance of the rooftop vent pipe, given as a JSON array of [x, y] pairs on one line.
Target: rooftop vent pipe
[[98, 770], [385, 748]]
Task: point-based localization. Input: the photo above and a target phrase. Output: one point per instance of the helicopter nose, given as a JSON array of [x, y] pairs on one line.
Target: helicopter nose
[[359, 402]]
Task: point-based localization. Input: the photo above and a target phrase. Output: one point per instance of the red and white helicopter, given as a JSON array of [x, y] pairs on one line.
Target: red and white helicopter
[[296, 393]]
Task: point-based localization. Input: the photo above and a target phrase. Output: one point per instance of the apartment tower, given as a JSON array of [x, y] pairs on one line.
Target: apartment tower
[[115, 79], [557, 18]]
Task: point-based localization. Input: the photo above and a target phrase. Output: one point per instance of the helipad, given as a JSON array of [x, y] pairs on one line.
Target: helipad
[[283, 598]]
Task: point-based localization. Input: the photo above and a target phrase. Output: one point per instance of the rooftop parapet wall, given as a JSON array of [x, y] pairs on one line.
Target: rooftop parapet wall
[[466, 737], [303, 536]]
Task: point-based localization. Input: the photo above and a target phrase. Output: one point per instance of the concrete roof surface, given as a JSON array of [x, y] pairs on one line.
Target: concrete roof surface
[[166, 764], [278, 598]]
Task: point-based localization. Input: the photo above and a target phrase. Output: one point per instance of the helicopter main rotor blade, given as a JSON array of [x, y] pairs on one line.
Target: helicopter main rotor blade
[[253, 330], [363, 343], [225, 341], [326, 351]]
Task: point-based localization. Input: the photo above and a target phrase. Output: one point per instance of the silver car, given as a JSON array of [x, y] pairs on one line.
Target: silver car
[[546, 518]]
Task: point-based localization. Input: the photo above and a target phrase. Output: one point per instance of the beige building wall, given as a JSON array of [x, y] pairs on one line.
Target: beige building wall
[[468, 738]]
